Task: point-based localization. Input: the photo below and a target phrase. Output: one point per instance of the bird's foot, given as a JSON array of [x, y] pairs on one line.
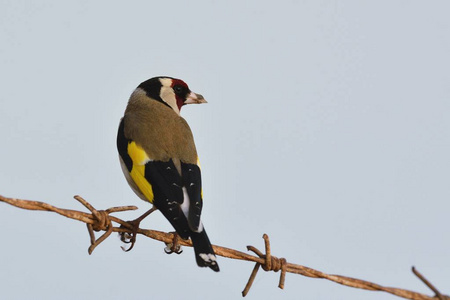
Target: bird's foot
[[174, 247], [130, 237]]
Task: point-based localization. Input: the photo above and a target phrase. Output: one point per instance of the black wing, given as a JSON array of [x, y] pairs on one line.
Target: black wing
[[168, 194]]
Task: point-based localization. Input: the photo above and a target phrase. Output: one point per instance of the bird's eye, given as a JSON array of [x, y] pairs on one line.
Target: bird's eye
[[177, 89]]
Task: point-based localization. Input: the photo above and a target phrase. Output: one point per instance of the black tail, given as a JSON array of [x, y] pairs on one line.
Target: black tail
[[204, 253]]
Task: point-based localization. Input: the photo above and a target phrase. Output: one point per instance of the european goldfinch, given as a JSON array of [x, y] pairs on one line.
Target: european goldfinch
[[159, 159]]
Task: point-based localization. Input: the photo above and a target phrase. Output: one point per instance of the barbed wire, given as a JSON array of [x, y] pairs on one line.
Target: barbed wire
[[101, 220]]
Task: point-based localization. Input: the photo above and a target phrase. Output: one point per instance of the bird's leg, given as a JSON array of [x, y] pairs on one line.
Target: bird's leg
[[127, 237], [174, 247]]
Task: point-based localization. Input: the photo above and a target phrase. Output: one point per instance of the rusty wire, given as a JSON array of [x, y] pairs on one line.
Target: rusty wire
[[101, 220]]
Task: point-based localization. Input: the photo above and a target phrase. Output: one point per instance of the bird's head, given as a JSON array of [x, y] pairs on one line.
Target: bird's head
[[170, 91]]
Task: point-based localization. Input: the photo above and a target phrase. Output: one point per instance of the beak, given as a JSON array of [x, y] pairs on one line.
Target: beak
[[194, 98]]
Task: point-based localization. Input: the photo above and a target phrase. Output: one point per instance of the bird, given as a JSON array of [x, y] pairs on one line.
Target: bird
[[159, 160]]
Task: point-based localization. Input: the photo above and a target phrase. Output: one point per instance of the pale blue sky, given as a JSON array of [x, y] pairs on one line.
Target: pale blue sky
[[327, 128]]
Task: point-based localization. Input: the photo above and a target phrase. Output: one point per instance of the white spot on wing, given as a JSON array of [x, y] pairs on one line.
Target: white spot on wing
[[185, 208], [200, 227], [185, 205], [208, 257]]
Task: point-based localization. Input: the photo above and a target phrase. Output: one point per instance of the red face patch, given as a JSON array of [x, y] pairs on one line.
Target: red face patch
[[181, 91], [179, 82]]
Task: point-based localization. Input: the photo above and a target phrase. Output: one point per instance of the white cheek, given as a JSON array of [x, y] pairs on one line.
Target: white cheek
[[168, 96]]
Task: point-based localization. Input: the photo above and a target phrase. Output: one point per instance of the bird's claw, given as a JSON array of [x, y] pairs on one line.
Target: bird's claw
[[169, 250], [173, 247], [125, 237], [129, 237]]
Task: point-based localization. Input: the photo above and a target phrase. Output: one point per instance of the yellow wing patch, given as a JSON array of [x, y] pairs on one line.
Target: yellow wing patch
[[137, 154], [140, 158]]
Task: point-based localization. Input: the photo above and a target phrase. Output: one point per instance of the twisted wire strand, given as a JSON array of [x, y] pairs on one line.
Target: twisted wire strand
[[101, 220]]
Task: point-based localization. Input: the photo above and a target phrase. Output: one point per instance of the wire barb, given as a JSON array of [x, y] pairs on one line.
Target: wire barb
[[251, 279], [271, 263], [428, 284], [103, 221]]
